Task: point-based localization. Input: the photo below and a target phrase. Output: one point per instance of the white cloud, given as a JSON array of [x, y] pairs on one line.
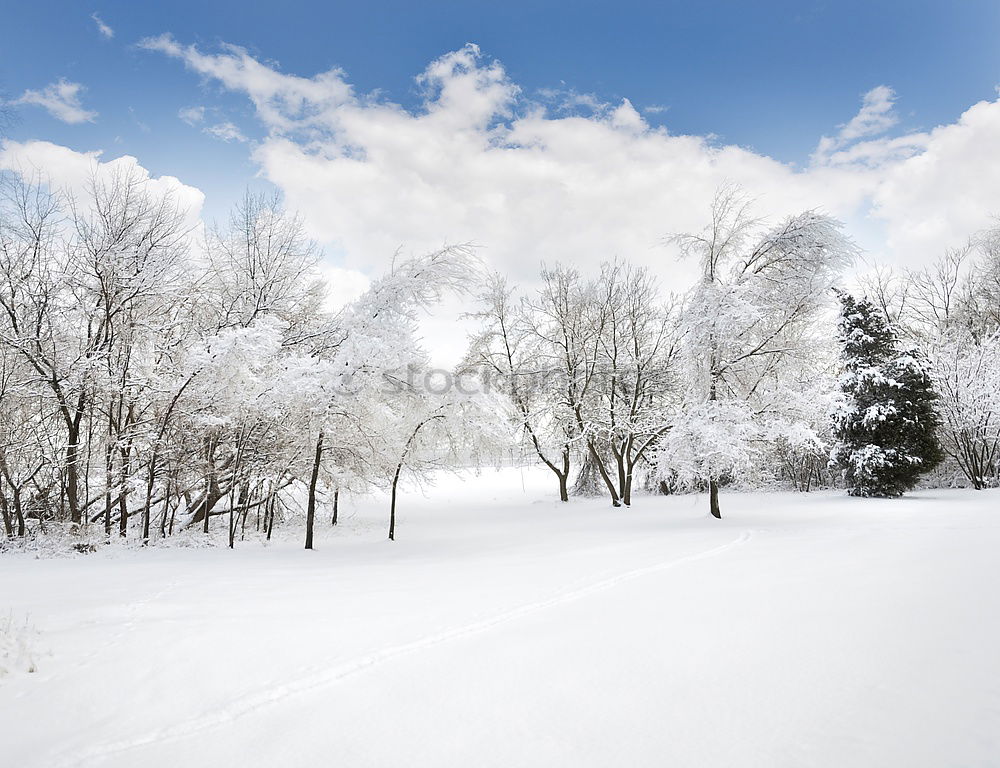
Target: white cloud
[[564, 177], [875, 117], [70, 171], [936, 198], [282, 100], [570, 101], [534, 180], [62, 100], [192, 115], [226, 131], [106, 32], [343, 285]]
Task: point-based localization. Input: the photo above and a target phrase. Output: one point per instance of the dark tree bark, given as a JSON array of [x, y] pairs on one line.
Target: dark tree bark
[[72, 474], [123, 496], [603, 471], [73, 422], [336, 505], [713, 499], [212, 491], [311, 508], [8, 526], [562, 474], [125, 452], [270, 515], [163, 517], [399, 468], [15, 499], [173, 515], [108, 464], [22, 528], [153, 459], [392, 503], [713, 484]]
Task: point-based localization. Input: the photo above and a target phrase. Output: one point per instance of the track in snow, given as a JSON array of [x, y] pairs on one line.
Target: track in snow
[[257, 700]]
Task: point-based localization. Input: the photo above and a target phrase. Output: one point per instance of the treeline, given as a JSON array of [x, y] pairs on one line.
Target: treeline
[[764, 372], [155, 378]]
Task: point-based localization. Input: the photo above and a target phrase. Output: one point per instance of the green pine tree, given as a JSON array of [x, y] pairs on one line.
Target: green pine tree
[[885, 426]]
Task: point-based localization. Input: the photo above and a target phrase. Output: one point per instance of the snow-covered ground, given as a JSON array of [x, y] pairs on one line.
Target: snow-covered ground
[[505, 629]]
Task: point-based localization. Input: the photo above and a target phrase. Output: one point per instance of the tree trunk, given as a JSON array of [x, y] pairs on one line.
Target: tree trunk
[[22, 528], [123, 495], [8, 527], [272, 503], [587, 481], [163, 517], [173, 514], [122, 513], [150, 477], [627, 492], [609, 484], [336, 504], [72, 475], [108, 462], [392, 503], [311, 508], [713, 499], [713, 485], [622, 474], [232, 522], [399, 468], [208, 509], [564, 475]]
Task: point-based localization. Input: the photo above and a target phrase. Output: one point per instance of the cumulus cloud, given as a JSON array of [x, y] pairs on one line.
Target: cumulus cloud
[[948, 191], [343, 285], [62, 100], [560, 176], [72, 172], [105, 31], [875, 117], [862, 139], [533, 178]]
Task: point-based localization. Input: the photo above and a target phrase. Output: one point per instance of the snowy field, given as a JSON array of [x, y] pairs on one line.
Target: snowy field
[[504, 629]]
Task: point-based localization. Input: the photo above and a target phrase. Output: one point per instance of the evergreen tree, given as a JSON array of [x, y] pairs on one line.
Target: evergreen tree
[[885, 425]]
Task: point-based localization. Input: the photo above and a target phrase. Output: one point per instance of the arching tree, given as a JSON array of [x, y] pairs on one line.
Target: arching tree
[[751, 317]]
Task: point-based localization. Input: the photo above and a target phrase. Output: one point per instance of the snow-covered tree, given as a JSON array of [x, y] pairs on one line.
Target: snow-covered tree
[[886, 423], [541, 353], [635, 392], [949, 310], [966, 375], [588, 367], [372, 407], [750, 319]]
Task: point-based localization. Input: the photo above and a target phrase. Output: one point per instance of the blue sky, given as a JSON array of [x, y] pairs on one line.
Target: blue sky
[[773, 76], [575, 131]]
